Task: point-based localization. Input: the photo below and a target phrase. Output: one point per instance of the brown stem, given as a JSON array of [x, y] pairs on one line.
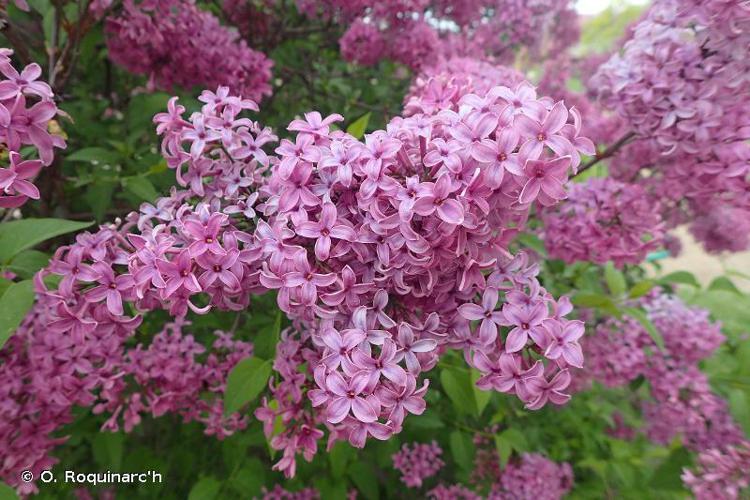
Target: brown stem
[[607, 153]]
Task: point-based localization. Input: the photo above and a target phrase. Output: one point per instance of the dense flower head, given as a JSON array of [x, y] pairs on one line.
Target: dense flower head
[[384, 252], [27, 108], [418, 462], [525, 476], [720, 473], [711, 194], [388, 250], [174, 42], [682, 402], [279, 493], [187, 253], [680, 84], [533, 477], [80, 355], [443, 85], [425, 32], [603, 219]]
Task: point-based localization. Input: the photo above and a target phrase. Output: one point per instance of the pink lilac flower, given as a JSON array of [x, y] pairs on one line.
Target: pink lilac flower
[[174, 42], [603, 220], [720, 473], [26, 109], [418, 462]]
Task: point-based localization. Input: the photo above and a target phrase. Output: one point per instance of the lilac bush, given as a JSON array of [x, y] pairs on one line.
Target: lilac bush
[[356, 224]]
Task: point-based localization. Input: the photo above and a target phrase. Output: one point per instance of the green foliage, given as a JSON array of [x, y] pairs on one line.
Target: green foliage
[[359, 126], [15, 302], [245, 382], [17, 236]]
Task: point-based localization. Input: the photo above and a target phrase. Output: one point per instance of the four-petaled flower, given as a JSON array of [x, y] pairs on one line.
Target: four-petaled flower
[[346, 397], [325, 229]]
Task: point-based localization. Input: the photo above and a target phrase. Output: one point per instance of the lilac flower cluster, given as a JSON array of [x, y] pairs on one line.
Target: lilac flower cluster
[[26, 109], [418, 462], [72, 348], [681, 85], [443, 85], [528, 476], [533, 477], [720, 473], [682, 402], [279, 493], [75, 354], [678, 79], [174, 42], [426, 32], [380, 249], [602, 220]]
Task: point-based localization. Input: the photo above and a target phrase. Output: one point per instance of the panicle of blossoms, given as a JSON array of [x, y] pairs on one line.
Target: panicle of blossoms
[[418, 462], [386, 251], [682, 402], [175, 42], [189, 245], [712, 195], [525, 477], [681, 85], [425, 31], [71, 353], [279, 493], [27, 107], [720, 473], [452, 492], [603, 219], [533, 477], [442, 86]]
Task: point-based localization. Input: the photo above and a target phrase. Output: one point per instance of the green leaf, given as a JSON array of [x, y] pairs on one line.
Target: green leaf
[[615, 280], [108, 448], [642, 318], [738, 405], [508, 441], [732, 310], [141, 187], [481, 398], [267, 338], [331, 488], [249, 479], [206, 488], [99, 197], [594, 300], [14, 304], [532, 241], [641, 288], [7, 493], [27, 263], [457, 384], [97, 156], [724, 283], [361, 475], [339, 457], [19, 235], [667, 475], [358, 127], [245, 382], [143, 107], [680, 277], [462, 449]]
